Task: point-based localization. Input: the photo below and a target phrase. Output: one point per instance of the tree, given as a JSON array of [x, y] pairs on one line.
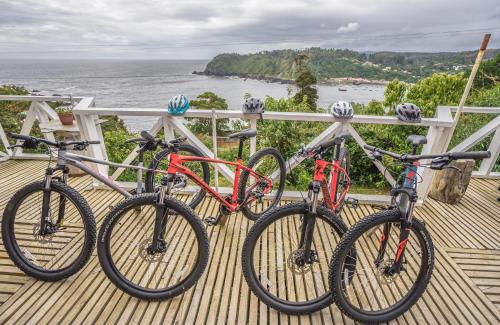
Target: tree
[[306, 82], [203, 126]]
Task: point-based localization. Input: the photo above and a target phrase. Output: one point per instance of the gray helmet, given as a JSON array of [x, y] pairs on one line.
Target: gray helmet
[[253, 105], [342, 110], [408, 112]]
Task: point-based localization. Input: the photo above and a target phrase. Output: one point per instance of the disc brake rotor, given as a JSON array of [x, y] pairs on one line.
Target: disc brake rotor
[[296, 264], [147, 256], [383, 277], [42, 239]]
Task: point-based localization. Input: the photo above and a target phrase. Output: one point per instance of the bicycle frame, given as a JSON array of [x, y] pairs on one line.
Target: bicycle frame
[[175, 166], [330, 195], [404, 198], [65, 158]]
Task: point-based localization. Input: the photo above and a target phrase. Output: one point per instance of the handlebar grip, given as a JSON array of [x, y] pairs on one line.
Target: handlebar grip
[[146, 135], [94, 142], [19, 136], [470, 155]]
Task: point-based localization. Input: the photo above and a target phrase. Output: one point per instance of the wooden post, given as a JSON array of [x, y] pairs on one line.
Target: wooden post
[[472, 76]]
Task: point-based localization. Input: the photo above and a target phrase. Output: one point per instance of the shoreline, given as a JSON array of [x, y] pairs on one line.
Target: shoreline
[[330, 81]]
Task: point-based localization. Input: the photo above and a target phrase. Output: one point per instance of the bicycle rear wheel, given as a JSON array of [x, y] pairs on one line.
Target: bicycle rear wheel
[[181, 182], [367, 293], [271, 259], [67, 242], [269, 163], [125, 241]]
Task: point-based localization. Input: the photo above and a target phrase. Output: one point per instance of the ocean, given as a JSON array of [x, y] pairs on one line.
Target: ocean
[[151, 83]]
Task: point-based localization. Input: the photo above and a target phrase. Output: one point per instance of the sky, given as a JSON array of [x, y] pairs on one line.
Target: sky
[[163, 29]]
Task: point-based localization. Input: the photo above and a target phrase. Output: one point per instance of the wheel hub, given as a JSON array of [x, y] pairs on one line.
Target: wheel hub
[[149, 254], [49, 233], [298, 262]]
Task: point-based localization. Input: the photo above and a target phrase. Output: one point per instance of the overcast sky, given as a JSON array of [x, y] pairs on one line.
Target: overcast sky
[[201, 29]]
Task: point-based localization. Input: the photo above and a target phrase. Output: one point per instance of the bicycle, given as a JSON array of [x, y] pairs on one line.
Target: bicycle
[[283, 259], [394, 251], [153, 256], [37, 224]]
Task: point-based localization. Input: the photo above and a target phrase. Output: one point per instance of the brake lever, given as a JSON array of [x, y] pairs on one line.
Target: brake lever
[[80, 146]]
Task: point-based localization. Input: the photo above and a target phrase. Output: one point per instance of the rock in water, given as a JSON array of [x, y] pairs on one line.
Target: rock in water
[[449, 185]]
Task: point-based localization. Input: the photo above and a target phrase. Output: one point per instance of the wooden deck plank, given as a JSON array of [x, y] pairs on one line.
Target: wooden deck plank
[[465, 286]]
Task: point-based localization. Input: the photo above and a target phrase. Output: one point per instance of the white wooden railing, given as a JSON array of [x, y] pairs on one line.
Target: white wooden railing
[[439, 134]]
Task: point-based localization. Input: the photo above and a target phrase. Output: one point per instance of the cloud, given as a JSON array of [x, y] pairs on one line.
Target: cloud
[[351, 27], [194, 29]]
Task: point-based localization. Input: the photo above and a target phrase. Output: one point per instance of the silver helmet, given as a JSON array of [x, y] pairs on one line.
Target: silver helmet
[[342, 109], [408, 112]]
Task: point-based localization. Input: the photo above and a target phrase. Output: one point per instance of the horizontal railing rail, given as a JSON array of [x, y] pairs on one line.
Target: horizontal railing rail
[[439, 133]]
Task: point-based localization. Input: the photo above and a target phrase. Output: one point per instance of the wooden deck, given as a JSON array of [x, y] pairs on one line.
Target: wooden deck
[[465, 287]]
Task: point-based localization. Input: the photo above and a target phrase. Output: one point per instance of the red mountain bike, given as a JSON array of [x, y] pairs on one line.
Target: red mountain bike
[[286, 253], [151, 248]]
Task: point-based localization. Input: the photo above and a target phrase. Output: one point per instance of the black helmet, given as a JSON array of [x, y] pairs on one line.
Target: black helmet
[[408, 112], [253, 105]]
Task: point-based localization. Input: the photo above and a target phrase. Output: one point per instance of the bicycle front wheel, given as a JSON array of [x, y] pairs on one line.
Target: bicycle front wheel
[[129, 260], [271, 259], [65, 244], [364, 290]]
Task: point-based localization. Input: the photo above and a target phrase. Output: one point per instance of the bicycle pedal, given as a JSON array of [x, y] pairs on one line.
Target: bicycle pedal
[[352, 202], [211, 221]]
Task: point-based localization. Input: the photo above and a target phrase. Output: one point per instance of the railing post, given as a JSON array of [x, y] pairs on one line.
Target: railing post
[[253, 141], [168, 129], [214, 146], [488, 164], [89, 131], [438, 138]]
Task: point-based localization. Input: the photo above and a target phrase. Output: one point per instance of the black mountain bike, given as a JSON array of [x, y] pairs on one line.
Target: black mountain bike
[[394, 252], [286, 253]]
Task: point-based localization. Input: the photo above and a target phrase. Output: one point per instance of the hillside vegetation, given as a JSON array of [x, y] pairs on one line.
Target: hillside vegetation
[[328, 64]]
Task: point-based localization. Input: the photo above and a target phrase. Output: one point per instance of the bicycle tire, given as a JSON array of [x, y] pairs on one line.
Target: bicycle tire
[[13, 250], [182, 210], [149, 183], [424, 275], [282, 305], [252, 162]]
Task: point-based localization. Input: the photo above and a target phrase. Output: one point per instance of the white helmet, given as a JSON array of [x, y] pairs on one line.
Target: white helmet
[[342, 109]]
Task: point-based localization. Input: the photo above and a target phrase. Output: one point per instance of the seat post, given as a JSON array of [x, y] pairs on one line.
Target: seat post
[[240, 148]]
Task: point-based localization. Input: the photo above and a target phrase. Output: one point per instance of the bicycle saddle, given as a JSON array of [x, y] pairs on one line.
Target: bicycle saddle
[[245, 134], [416, 140]]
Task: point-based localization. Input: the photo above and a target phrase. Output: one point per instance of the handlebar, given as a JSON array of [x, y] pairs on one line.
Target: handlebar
[[447, 155], [322, 147], [148, 142], [32, 142]]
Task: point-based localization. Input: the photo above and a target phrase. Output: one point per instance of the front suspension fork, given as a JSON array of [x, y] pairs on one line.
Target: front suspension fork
[[45, 218], [62, 200], [309, 222], [405, 229], [161, 213]]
